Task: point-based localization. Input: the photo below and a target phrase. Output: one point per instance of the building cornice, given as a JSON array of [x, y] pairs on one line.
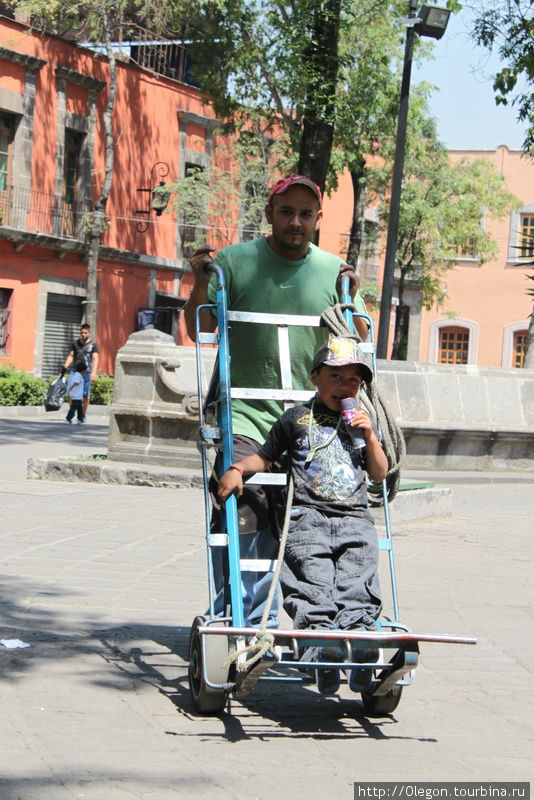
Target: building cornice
[[30, 62], [80, 80], [62, 246]]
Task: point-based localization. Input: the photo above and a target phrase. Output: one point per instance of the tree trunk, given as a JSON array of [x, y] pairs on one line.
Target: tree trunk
[[528, 361], [99, 215], [399, 321], [321, 62], [358, 221]]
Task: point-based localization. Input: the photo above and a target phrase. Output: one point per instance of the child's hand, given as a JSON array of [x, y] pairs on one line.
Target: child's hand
[[231, 481], [362, 420]]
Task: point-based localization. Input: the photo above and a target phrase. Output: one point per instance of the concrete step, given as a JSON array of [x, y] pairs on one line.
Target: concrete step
[[419, 501]]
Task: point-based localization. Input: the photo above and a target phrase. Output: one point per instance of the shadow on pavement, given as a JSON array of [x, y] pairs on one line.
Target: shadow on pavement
[[32, 431], [141, 656]]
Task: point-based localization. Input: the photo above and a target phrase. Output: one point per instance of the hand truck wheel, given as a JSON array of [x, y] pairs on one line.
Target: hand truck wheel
[[206, 699], [378, 705]]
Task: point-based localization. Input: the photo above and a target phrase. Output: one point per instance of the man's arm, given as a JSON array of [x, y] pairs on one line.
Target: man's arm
[[69, 359], [199, 294], [94, 365]]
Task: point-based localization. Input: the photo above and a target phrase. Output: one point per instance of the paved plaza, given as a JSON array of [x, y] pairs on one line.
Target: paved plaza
[[103, 583]]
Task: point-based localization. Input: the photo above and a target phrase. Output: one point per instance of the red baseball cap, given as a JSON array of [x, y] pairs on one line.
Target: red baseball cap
[[283, 185]]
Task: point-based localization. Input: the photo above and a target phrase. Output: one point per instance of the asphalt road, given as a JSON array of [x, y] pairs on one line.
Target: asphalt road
[[103, 583]]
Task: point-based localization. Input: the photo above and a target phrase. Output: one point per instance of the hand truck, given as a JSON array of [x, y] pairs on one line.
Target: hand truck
[[219, 659]]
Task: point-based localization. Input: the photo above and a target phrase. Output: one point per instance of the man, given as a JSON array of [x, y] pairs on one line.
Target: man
[[86, 350], [282, 273]]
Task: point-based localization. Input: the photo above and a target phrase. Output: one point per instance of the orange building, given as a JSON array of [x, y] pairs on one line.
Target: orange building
[[485, 318], [489, 300], [52, 98]]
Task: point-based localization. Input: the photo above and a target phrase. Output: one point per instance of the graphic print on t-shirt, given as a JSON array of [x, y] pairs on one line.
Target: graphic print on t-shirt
[[333, 471]]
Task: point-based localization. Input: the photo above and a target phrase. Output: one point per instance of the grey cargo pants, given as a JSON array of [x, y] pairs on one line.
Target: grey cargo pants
[[329, 578]]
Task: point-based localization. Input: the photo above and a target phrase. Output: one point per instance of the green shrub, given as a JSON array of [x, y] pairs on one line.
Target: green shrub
[[18, 388], [102, 390]]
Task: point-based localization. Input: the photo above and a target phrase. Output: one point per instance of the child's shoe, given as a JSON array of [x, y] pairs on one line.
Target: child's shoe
[[328, 680], [360, 678], [309, 654]]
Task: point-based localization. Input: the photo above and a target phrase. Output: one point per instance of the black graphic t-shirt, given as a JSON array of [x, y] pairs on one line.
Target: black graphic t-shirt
[[334, 479], [84, 352]]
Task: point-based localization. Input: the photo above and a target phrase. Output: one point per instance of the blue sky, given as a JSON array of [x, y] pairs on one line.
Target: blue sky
[[463, 103]]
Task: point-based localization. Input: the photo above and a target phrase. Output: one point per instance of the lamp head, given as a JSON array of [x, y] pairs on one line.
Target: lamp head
[[160, 198], [433, 21]]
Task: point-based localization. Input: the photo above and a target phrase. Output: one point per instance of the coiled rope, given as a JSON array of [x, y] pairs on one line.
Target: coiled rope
[[373, 402]]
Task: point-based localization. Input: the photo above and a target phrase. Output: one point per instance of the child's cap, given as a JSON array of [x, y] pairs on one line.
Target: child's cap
[[340, 351], [283, 185]]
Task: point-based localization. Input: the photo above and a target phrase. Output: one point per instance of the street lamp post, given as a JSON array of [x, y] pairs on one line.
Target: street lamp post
[[431, 21]]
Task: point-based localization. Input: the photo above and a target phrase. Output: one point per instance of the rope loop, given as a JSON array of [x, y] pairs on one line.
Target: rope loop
[[374, 403]]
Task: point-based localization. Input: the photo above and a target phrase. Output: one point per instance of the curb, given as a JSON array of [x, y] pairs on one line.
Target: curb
[[117, 474], [409, 505], [15, 412]]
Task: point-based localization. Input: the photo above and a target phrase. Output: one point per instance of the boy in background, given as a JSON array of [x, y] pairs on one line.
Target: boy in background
[[75, 392]]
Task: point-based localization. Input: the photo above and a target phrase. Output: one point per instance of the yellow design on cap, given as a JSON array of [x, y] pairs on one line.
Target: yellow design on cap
[[342, 349]]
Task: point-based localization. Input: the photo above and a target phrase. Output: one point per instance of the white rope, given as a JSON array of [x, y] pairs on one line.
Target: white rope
[[374, 403]]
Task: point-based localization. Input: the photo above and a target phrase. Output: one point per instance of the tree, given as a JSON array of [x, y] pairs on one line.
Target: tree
[[236, 181], [443, 206], [507, 26], [299, 64]]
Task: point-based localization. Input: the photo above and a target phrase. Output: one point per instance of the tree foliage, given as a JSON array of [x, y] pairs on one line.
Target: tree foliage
[[507, 27], [442, 212], [318, 71], [235, 186]]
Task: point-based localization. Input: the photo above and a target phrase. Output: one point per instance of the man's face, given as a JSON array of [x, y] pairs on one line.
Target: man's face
[[293, 216], [85, 335], [335, 383]]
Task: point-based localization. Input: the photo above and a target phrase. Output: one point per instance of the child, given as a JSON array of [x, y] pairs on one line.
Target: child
[[329, 579], [75, 392]]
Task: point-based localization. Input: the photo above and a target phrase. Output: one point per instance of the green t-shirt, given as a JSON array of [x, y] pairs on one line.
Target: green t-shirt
[[257, 279]]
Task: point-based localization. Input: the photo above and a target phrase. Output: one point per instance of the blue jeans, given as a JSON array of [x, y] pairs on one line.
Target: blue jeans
[[87, 383], [254, 585]]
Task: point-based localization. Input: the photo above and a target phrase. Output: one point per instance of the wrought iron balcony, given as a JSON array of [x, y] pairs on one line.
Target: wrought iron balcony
[[39, 212]]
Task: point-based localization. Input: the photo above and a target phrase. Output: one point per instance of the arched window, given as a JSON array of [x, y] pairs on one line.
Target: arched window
[[453, 345], [513, 344], [520, 338], [453, 342]]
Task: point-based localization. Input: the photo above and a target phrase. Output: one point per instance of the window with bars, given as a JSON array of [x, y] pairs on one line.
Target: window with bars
[[526, 236], [5, 302], [467, 249], [71, 176], [190, 231], [453, 345], [518, 354], [6, 148]]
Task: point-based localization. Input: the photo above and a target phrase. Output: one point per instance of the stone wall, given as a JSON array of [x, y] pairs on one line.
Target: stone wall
[[475, 418], [462, 417]]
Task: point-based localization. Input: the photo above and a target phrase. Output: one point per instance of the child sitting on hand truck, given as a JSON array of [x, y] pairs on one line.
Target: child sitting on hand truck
[[329, 579]]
